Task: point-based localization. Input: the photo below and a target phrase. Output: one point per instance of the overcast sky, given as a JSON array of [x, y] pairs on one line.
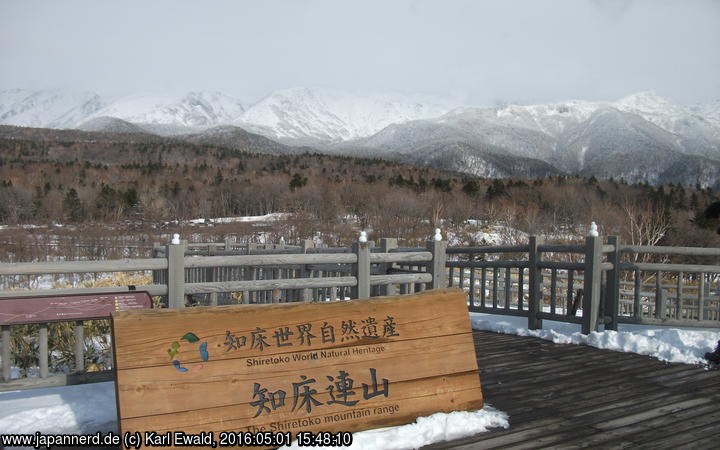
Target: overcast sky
[[479, 52]]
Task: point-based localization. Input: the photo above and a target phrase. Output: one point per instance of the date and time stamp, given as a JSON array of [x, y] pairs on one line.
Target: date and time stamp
[[137, 440]]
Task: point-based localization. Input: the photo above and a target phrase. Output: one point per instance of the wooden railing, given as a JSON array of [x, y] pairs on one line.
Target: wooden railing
[[663, 293], [300, 273], [591, 284]]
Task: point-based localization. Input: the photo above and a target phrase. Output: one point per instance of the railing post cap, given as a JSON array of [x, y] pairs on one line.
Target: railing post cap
[[438, 235], [175, 239], [593, 230], [363, 237]]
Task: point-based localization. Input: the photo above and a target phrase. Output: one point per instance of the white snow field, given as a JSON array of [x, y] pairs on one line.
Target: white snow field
[[87, 409]]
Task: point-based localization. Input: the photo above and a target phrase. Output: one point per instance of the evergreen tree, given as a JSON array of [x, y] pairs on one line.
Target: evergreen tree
[[297, 181], [472, 187], [72, 206], [496, 189]]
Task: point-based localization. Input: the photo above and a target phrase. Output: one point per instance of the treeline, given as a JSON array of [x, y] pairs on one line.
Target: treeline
[[107, 181]]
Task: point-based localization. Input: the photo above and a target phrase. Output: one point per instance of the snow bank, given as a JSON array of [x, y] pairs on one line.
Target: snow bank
[[676, 345], [428, 430], [272, 217], [80, 409]]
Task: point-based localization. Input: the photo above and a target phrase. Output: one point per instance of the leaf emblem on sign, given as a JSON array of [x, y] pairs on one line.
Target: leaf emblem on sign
[[176, 363], [174, 349], [203, 351], [190, 337]]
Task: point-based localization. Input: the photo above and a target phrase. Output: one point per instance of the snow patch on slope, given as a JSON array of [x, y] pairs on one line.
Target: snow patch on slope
[[710, 111], [554, 118], [47, 108], [196, 109]]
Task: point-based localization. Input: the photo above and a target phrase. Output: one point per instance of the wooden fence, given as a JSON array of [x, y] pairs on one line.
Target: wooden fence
[[253, 275], [593, 283], [513, 281]]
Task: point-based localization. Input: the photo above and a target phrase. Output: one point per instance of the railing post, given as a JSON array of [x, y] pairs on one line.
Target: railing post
[[157, 274], [637, 306], [249, 275], [701, 296], [612, 286], [211, 275], [79, 346], [229, 242], [304, 273], [43, 354], [275, 294], [6, 356], [362, 268], [387, 244], [660, 298], [438, 248], [534, 284], [591, 288], [679, 302], [176, 272]]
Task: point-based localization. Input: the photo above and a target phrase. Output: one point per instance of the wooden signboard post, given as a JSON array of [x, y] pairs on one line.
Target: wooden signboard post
[[299, 367]]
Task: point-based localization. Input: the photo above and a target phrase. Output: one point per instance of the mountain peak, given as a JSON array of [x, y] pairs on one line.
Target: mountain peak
[[643, 101], [194, 109], [110, 124], [332, 115], [47, 108]]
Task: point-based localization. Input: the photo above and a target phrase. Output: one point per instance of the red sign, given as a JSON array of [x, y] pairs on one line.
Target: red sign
[[70, 307]]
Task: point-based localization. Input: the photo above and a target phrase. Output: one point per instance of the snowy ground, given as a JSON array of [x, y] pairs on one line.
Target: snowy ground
[[272, 217], [87, 409], [69, 409], [677, 345]]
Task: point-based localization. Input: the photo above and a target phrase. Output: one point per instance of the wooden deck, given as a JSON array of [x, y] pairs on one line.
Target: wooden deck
[[569, 396]]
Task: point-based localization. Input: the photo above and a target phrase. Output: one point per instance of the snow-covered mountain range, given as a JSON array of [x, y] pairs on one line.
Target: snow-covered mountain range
[[639, 138], [642, 137], [331, 116], [64, 109], [47, 108], [196, 109], [298, 114]]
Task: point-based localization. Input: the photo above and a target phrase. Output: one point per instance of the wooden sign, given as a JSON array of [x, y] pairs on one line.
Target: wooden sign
[[297, 367], [70, 307]]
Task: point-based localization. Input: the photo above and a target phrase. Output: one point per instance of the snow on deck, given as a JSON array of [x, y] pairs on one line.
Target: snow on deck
[[671, 344]]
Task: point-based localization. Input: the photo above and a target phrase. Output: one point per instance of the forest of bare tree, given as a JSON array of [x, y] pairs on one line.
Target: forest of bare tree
[[112, 186]]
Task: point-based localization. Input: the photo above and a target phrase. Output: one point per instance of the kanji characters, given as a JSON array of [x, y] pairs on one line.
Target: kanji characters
[[306, 395], [233, 342], [341, 390]]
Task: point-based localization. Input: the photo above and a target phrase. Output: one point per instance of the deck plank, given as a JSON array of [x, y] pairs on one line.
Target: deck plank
[[575, 396]]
